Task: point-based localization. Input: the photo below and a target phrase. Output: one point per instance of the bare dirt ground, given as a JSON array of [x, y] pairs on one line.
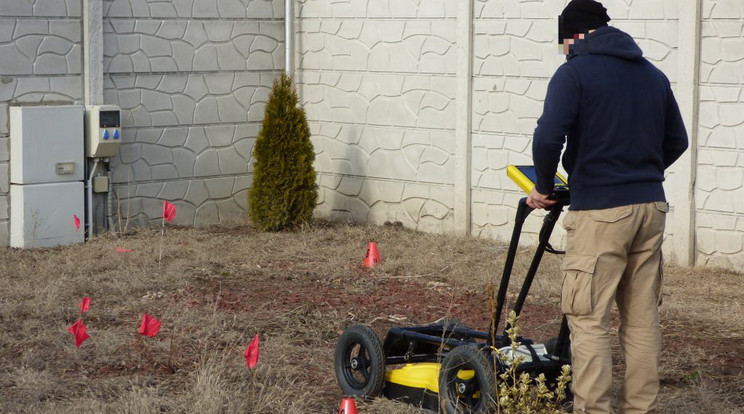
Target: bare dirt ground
[[216, 287]]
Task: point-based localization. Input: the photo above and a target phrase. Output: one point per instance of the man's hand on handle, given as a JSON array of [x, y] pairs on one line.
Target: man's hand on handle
[[537, 200]]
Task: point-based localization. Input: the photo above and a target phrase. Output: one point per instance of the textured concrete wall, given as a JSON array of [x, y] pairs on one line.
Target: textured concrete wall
[[719, 191], [515, 54], [377, 81], [191, 77], [40, 63]]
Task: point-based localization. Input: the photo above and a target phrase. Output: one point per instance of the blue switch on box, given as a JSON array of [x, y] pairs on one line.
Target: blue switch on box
[[116, 134], [106, 134]]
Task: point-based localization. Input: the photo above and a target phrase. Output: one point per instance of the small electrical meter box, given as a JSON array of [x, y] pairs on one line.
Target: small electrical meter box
[[102, 130]]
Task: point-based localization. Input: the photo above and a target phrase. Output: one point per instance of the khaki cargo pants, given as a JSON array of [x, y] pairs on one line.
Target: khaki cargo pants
[[614, 254]]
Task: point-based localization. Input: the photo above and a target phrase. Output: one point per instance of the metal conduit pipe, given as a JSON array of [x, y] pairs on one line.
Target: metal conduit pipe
[[90, 196], [110, 226], [288, 36]]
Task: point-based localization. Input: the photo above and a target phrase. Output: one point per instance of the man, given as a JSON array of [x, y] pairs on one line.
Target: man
[[622, 128]]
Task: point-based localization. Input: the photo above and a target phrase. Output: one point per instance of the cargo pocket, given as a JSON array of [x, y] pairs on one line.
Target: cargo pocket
[[660, 282], [576, 292], [662, 206], [569, 222], [611, 215]]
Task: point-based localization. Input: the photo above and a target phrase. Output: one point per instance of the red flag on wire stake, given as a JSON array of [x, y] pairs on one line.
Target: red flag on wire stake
[[123, 250], [150, 326], [169, 211], [84, 305], [251, 353], [79, 331], [76, 222]]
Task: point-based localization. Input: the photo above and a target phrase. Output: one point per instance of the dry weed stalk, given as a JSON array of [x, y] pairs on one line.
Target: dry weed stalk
[[123, 230], [446, 321], [160, 245], [491, 294], [518, 394]]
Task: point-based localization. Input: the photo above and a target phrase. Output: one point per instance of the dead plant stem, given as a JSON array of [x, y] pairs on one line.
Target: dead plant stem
[[162, 235]]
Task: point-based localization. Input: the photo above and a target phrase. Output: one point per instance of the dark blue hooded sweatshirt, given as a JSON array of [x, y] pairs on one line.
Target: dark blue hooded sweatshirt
[[622, 125]]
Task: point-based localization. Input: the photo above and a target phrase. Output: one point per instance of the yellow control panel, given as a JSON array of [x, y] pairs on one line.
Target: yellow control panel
[[524, 176]]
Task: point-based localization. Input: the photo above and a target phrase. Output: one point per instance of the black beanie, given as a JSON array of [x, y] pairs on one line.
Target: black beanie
[[580, 16]]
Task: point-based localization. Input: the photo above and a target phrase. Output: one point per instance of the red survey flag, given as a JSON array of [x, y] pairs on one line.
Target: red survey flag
[[123, 250], [76, 222], [79, 331], [169, 211], [85, 305], [150, 326], [251, 353]]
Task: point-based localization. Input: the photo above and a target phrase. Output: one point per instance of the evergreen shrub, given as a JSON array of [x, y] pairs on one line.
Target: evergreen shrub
[[284, 192]]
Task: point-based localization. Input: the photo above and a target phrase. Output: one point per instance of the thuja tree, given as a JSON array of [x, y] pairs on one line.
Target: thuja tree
[[284, 192]]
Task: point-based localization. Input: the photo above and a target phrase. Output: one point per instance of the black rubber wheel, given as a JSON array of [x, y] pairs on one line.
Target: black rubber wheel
[[360, 362], [466, 382]]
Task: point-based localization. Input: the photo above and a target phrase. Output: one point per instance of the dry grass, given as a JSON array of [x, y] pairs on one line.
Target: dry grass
[[216, 287]]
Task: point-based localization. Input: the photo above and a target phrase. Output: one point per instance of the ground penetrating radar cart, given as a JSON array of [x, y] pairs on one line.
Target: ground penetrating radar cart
[[446, 366]]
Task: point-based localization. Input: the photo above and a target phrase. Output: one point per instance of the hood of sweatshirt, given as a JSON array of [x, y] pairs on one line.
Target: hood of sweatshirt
[[609, 41]]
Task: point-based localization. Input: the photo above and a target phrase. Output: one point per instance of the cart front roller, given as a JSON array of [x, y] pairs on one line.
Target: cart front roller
[[466, 382], [360, 362]]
